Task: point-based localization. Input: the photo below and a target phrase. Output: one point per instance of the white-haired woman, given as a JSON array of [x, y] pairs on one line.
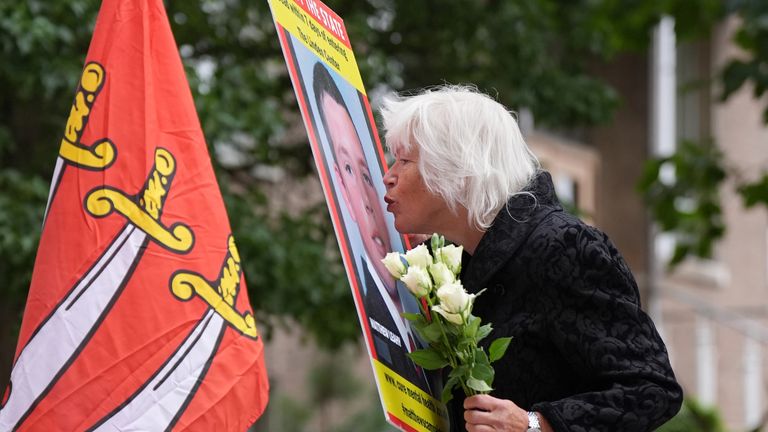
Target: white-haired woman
[[584, 356]]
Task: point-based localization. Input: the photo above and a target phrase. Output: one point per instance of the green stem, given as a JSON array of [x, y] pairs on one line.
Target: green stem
[[451, 357], [471, 355]]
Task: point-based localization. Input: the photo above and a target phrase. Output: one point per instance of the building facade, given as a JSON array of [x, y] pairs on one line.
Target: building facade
[[713, 314]]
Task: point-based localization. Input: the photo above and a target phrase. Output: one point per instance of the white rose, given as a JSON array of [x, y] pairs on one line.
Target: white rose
[[419, 256], [455, 318], [441, 274], [451, 256], [394, 264], [417, 280], [454, 299]]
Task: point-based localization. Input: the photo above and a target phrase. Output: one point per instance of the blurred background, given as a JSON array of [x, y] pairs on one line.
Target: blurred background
[[650, 114]]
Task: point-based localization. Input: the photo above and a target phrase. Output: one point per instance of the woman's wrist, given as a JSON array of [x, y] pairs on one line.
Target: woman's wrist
[[543, 423]]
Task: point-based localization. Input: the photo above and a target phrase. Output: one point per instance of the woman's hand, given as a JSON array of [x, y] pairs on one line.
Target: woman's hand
[[485, 413]]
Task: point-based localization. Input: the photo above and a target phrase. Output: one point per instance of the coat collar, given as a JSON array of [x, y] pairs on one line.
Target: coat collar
[[509, 230]]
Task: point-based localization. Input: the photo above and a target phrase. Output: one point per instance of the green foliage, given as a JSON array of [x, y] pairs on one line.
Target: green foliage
[[43, 46], [752, 37], [21, 212], [498, 46], [498, 348], [694, 417], [683, 194], [429, 359], [294, 271], [538, 54], [755, 193]]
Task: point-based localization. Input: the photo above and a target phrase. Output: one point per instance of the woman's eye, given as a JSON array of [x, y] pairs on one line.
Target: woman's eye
[[348, 168], [367, 179]]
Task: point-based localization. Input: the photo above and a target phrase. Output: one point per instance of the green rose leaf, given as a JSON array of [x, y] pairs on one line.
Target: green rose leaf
[[413, 317], [428, 359], [459, 372], [483, 331], [483, 371], [420, 332], [419, 327], [478, 385], [464, 347], [432, 332], [447, 393], [498, 348], [429, 332], [425, 329], [481, 357], [450, 328], [473, 323]]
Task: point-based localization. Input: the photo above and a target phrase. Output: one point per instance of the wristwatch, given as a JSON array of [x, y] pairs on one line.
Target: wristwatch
[[533, 422]]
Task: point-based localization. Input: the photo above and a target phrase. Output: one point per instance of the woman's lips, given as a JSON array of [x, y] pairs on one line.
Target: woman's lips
[[390, 203]]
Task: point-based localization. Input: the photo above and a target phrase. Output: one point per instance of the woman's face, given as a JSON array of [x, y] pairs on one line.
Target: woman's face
[[416, 209]]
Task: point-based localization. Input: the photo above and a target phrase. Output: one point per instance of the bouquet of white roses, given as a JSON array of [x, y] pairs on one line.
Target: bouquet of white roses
[[452, 332]]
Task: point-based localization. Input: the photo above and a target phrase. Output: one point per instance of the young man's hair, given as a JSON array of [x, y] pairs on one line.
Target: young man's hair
[[323, 84]]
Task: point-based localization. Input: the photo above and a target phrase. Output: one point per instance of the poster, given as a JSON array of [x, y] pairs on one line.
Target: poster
[[350, 161]]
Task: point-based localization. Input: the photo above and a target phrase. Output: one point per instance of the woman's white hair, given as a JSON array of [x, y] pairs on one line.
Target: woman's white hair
[[471, 151]]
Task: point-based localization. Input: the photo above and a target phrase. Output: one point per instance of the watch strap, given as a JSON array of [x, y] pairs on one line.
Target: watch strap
[[533, 422]]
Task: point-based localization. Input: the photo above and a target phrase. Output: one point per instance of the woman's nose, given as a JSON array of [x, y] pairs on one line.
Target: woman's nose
[[389, 179]]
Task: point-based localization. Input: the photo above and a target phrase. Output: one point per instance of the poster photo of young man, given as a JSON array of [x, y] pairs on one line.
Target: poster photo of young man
[[351, 164]]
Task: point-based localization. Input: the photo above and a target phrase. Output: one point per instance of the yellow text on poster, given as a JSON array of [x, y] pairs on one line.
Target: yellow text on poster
[[318, 39], [410, 404]]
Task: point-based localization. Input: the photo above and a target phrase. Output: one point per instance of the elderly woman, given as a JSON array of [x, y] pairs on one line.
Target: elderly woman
[[584, 356]]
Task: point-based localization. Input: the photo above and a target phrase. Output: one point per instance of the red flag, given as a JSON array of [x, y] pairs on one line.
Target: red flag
[[138, 316]]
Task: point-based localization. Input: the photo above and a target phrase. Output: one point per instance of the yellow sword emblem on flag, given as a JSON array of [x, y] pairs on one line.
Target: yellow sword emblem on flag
[[220, 295], [145, 213], [102, 153]]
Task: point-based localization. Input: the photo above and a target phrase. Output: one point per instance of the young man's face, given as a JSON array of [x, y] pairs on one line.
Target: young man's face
[[359, 193]]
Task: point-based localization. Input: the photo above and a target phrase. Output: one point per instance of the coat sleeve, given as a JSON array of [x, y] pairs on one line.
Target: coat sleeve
[[596, 323]]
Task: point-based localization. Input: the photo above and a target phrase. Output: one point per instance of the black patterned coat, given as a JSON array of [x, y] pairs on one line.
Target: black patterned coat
[[583, 354]]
